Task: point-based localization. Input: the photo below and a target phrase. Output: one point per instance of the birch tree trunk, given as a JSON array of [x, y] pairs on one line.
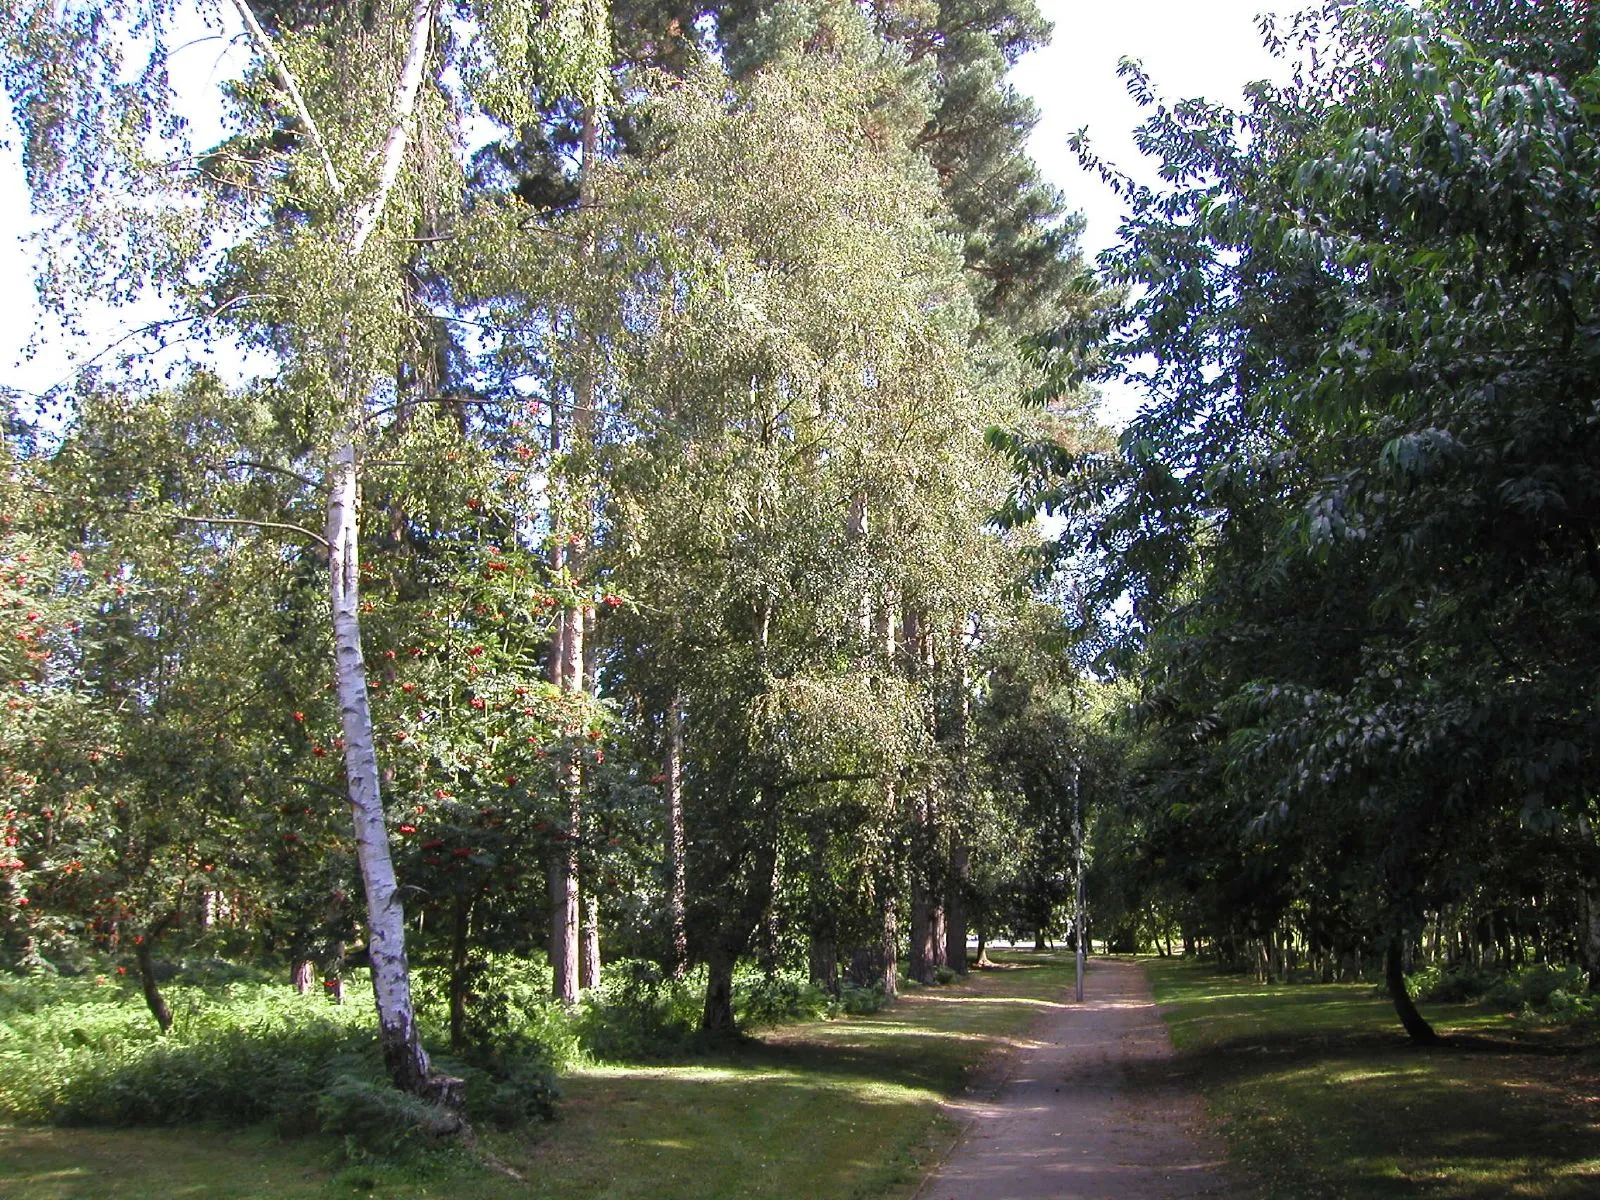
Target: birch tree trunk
[[567, 664], [391, 978]]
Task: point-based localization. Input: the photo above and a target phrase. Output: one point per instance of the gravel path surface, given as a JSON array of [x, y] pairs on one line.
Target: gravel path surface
[[1093, 1108]]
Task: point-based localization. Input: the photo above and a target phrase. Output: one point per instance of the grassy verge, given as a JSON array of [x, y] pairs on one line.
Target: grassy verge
[[1319, 1095], [844, 1108]]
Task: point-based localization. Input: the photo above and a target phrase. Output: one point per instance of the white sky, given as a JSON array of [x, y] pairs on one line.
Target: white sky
[[1190, 48]]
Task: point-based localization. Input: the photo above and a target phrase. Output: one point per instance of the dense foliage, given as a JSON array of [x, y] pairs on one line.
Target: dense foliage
[[564, 554], [1352, 534], [606, 399]]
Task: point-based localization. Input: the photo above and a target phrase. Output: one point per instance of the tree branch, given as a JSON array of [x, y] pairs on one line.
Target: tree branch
[[140, 331], [401, 110], [245, 521], [246, 464], [286, 77], [169, 515]]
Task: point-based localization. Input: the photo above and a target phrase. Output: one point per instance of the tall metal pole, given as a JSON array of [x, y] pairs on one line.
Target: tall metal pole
[[1077, 837]]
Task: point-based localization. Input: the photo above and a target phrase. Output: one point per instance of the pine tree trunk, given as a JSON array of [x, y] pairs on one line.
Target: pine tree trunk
[[589, 965], [889, 945], [677, 885], [955, 909], [564, 948], [1589, 903], [1416, 1027], [391, 977], [823, 961], [920, 963]]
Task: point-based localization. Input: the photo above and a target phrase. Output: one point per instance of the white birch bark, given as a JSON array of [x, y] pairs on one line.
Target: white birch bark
[[286, 77], [567, 662], [401, 110], [391, 978]]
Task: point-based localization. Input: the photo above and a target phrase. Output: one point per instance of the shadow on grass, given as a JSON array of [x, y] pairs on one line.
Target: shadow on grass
[[926, 1041], [838, 1109], [1320, 1094]]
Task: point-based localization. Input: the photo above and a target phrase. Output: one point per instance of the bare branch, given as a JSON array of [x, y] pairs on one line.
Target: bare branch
[[286, 77], [245, 521], [247, 465], [140, 331], [169, 515]]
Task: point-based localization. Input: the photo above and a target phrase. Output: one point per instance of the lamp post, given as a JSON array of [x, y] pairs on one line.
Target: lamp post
[[1077, 837]]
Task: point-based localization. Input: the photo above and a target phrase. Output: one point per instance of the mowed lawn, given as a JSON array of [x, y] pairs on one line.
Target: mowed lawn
[[1319, 1094], [845, 1108]]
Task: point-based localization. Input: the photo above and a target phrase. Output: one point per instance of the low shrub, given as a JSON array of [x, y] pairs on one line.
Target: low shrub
[[81, 1052], [638, 1013], [507, 1085], [1445, 984], [1538, 989], [376, 1121], [515, 1090], [1533, 988], [86, 1053], [861, 1001], [511, 1009], [761, 999]]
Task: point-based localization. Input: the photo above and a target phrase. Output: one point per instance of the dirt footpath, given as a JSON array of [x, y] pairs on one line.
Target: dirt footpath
[[1093, 1109]]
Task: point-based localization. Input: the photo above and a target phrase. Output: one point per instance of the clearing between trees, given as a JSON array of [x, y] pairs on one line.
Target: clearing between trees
[[1310, 1088]]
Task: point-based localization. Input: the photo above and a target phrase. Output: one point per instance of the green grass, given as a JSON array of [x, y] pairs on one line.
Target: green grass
[[845, 1108], [1319, 1094]]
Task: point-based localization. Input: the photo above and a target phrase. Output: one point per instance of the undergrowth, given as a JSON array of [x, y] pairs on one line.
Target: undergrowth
[[244, 1051], [1538, 990]]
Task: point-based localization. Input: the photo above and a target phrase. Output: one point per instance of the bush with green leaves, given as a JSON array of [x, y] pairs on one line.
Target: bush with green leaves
[[1541, 988], [861, 1001], [511, 1011], [378, 1121], [761, 999], [1443, 983], [637, 1012], [85, 1052]]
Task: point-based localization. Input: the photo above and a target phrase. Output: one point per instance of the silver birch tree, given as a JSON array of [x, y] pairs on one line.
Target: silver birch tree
[[344, 116]]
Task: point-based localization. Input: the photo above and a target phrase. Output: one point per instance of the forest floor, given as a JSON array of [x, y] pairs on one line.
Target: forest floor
[[830, 1109], [1096, 1109], [1319, 1095]]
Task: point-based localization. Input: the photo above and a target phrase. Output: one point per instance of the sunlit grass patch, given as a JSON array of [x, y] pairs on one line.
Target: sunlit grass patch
[[1320, 1095]]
